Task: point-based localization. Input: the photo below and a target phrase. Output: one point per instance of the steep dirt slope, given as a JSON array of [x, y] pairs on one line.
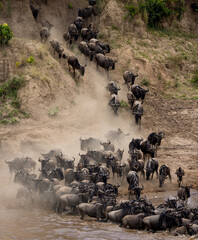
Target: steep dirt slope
[[83, 106]]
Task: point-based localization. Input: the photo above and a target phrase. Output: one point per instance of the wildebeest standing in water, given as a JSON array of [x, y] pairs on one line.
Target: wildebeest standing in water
[[74, 63]]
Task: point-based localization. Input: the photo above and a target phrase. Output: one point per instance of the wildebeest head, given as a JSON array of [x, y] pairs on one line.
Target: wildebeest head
[[186, 190], [162, 178], [83, 144], [137, 191], [105, 144], [82, 70], [112, 63]]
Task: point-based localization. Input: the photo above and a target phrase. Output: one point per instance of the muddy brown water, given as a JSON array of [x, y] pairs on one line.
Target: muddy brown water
[[34, 223]]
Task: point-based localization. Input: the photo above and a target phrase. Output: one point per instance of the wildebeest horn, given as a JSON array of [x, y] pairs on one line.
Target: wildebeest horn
[[109, 142], [142, 187], [39, 159], [74, 158], [79, 154]]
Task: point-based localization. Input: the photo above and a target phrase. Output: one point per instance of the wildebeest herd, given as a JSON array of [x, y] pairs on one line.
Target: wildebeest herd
[[96, 50], [84, 188]]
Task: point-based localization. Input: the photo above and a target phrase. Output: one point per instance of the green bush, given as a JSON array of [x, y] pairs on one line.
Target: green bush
[[30, 59], [70, 6], [11, 87], [5, 34], [157, 9], [194, 79], [194, 6], [53, 112], [145, 82]]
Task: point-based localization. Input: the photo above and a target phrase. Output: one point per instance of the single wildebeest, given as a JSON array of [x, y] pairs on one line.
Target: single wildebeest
[[69, 176], [133, 221], [88, 33], [113, 88], [51, 155], [180, 173], [91, 210], [135, 144], [147, 149], [114, 102], [35, 11], [133, 181], [151, 167], [44, 34], [73, 61], [105, 47], [116, 135], [131, 98], [96, 48], [108, 146], [86, 12], [163, 173], [155, 140], [139, 92], [56, 173], [29, 163], [79, 23], [137, 166], [184, 193], [84, 49], [73, 31], [117, 215], [57, 48], [90, 144], [137, 111], [154, 222], [105, 62], [129, 77]]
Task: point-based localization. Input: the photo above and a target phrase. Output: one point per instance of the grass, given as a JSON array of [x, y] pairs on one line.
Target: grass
[[114, 27], [53, 112], [145, 82], [70, 6], [123, 104], [194, 80]]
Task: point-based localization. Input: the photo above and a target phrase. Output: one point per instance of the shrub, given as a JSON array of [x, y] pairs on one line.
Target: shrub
[[30, 59], [70, 6], [5, 34], [157, 9], [123, 104], [194, 6], [114, 27]]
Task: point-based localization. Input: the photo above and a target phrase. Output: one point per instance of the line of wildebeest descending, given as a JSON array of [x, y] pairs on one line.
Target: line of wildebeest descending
[[96, 50], [84, 189]]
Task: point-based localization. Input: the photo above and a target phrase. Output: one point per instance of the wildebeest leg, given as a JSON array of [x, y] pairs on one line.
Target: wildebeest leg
[[170, 178]]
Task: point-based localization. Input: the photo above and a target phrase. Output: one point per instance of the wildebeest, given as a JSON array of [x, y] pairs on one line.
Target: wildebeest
[[113, 88], [44, 34], [155, 139], [108, 146], [20, 164], [147, 149], [180, 173], [154, 222], [102, 46], [72, 33], [129, 77], [135, 144], [84, 48], [133, 221], [163, 173], [95, 48], [56, 173], [138, 92], [114, 102], [89, 144], [184, 193], [92, 2], [137, 166], [117, 215], [137, 111], [79, 23], [86, 12], [57, 48], [133, 181], [69, 176], [116, 135], [151, 167], [88, 33], [92, 210], [105, 62], [131, 98], [24, 196], [74, 63]]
